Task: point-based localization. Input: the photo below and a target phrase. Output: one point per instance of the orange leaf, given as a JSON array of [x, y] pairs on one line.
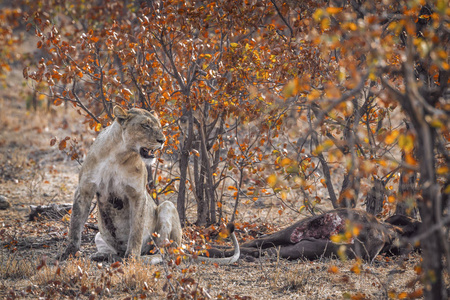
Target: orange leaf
[[285, 162], [418, 270], [442, 170], [57, 102], [272, 180], [406, 142], [390, 138], [334, 10], [416, 294], [62, 145], [410, 159], [333, 269], [355, 269]]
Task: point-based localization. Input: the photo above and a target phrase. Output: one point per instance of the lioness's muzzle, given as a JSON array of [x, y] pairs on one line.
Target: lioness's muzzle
[[147, 153]]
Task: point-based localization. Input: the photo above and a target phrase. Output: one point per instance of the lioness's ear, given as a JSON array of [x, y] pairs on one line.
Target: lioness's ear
[[121, 115], [154, 113]]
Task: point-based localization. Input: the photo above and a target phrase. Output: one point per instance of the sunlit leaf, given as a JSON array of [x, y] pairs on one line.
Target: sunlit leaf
[[352, 26], [62, 145], [333, 10], [356, 268], [355, 231], [317, 15], [391, 137], [272, 180], [290, 89], [410, 159], [406, 142], [285, 162], [325, 23], [337, 238], [314, 94], [442, 170], [326, 145], [333, 269]]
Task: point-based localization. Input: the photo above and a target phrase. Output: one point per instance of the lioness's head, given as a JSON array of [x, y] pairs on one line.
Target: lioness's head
[[141, 131]]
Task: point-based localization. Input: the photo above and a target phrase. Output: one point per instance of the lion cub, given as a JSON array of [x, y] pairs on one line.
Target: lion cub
[[115, 171]]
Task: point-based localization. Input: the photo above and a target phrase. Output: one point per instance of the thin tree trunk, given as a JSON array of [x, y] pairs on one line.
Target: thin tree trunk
[[184, 163], [209, 190], [348, 192], [433, 242], [375, 197], [329, 183], [406, 201], [181, 200], [236, 203], [430, 212], [202, 207]]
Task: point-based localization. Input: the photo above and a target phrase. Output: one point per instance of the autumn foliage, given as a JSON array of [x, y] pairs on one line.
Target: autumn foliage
[[306, 101]]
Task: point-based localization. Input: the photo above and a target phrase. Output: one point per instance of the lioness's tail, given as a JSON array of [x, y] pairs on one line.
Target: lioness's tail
[[156, 259], [224, 260]]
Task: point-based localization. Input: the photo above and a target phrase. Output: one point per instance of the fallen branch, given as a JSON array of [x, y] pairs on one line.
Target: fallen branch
[[52, 211]]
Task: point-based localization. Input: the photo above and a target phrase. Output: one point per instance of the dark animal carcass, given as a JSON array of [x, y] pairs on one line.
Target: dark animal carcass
[[350, 232]]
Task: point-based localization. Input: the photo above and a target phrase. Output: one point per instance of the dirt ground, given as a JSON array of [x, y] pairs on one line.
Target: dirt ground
[[34, 173]]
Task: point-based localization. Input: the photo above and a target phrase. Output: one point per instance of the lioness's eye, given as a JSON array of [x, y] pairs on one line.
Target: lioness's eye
[[145, 126]]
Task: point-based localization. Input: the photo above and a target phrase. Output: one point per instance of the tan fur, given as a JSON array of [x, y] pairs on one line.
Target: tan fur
[[115, 171]]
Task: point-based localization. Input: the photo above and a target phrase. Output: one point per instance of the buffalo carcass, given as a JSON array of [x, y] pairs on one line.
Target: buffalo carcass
[[361, 234]]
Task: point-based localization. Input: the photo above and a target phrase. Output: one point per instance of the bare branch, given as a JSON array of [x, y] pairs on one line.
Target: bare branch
[[282, 18], [80, 104]]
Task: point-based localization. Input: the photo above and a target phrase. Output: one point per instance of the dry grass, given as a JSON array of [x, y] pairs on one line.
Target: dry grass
[[82, 277], [268, 278], [12, 267]]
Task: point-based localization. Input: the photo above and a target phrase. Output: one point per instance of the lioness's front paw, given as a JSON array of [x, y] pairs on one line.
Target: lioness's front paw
[[71, 250], [109, 257]]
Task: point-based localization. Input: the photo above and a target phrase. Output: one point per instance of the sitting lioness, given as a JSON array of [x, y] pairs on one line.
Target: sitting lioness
[[115, 171]]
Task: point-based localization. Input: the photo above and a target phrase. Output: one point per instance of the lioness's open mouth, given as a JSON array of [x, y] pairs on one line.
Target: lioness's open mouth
[[147, 153]]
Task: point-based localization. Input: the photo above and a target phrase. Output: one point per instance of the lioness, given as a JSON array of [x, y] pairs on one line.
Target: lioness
[[115, 171]]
